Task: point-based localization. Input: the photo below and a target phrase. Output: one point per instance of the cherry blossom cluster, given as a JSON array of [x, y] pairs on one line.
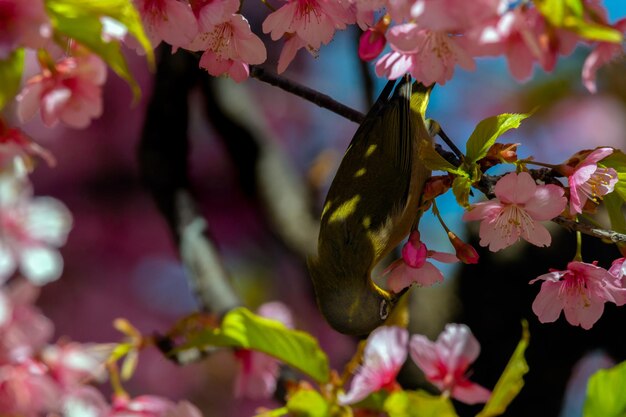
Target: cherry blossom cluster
[[445, 363], [39, 378], [515, 213], [426, 38]]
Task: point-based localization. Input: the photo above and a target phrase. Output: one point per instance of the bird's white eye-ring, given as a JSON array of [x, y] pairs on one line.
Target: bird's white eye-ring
[[384, 310]]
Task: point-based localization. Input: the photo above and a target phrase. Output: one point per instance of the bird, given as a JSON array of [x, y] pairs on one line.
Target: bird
[[372, 205]]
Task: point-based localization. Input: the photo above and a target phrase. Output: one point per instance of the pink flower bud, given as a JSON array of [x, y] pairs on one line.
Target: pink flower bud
[[464, 251], [371, 44], [414, 252]]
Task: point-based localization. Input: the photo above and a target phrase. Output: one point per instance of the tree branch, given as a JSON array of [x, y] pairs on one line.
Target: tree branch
[[307, 93], [485, 185], [163, 165]]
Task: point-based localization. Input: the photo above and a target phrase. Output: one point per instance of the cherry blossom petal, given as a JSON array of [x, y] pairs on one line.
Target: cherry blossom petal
[[384, 354], [446, 361], [394, 65], [584, 313], [515, 188], [538, 235], [546, 203], [41, 264], [424, 354], [7, 262], [448, 258], [471, 393], [178, 26], [486, 209], [292, 45], [48, 220], [548, 305]]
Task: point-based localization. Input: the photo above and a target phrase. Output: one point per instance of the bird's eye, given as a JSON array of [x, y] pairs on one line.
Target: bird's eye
[[384, 310]]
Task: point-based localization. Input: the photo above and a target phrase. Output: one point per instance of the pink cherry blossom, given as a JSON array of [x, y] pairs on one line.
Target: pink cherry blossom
[[151, 406], [32, 230], [429, 56], [17, 150], [589, 181], [230, 47], [413, 268], [455, 15], [516, 211], [26, 390], [71, 92], [373, 41], [171, 21], [446, 361], [580, 292], [293, 43], [603, 53], [384, 354], [73, 364], [364, 10], [23, 329], [314, 21], [84, 400], [618, 270], [257, 376], [23, 23], [523, 37]]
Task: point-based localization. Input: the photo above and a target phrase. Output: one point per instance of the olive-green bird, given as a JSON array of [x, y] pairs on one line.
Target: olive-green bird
[[371, 207]]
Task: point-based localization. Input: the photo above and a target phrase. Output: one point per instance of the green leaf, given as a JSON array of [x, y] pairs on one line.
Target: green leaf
[[10, 76], [307, 403], [486, 133], [436, 162], [570, 15], [617, 161], [593, 31], [461, 189], [278, 412], [243, 329], [613, 203], [418, 404], [81, 20], [605, 393], [511, 381], [553, 10]]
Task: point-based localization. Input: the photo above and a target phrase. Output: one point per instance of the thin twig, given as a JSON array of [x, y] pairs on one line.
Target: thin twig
[[485, 185], [307, 93]]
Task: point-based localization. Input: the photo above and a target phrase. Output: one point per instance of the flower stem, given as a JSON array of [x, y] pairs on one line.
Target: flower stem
[[579, 244], [436, 213], [269, 6], [541, 164]]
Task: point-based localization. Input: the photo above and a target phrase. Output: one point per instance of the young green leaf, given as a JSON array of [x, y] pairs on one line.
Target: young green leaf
[[418, 404], [244, 329], [307, 403], [486, 133], [617, 161], [436, 162], [613, 203], [82, 20], [123, 11], [461, 189], [605, 393], [594, 31], [11, 70], [570, 15], [511, 381]]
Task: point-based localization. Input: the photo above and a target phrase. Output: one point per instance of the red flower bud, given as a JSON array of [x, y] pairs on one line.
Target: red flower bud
[[465, 252]]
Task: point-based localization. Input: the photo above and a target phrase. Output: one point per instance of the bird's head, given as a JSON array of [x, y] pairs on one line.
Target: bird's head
[[351, 305]]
